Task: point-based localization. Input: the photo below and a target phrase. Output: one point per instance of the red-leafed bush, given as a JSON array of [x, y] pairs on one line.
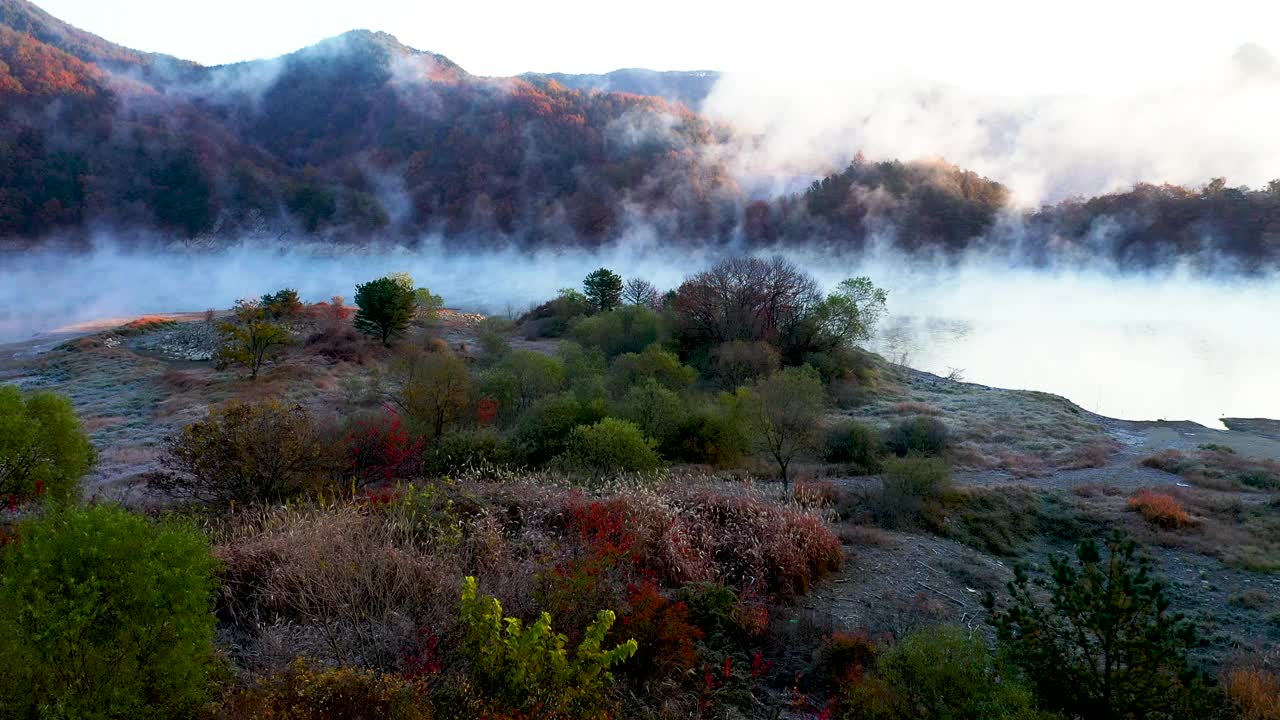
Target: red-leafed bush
[[486, 411], [846, 656], [381, 449], [666, 637]]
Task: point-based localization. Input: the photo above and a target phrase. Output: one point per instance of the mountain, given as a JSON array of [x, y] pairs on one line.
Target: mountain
[[360, 138], [355, 136], [689, 88]]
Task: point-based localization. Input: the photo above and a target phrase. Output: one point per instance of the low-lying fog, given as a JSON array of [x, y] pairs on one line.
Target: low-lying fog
[[1172, 345]]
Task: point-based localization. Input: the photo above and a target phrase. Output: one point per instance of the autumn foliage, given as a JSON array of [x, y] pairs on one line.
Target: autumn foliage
[[1160, 509]]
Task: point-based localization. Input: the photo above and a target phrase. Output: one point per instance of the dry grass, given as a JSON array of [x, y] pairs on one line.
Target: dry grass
[[1024, 433], [1160, 509], [1213, 468], [1238, 530], [1255, 693], [357, 582], [916, 408], [815, 493], [97, 424], [867, 535], [144, 324]]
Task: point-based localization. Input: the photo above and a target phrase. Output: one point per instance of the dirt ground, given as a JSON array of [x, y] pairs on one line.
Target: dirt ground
[[894, 581]]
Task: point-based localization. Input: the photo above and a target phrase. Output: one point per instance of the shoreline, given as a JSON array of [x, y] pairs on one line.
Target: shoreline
[[43, 342]]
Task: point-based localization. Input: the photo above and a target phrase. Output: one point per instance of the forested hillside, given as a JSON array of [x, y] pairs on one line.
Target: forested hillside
[[360, 138]]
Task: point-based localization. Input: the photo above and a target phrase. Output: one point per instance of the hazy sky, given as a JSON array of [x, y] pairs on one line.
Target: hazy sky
[[996, 44]]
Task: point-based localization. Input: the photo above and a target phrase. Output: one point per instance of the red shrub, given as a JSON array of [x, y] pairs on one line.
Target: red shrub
[[846, 656], [665, 635], [486, 411], [381, 449]]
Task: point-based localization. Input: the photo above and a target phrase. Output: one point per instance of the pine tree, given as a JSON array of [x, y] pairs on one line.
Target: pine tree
[[1106, 645], [386, 308], [604, 289]]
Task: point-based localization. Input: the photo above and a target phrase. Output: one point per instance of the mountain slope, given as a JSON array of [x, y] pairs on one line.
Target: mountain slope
[[687, 87], [361, 138], [358, 134]]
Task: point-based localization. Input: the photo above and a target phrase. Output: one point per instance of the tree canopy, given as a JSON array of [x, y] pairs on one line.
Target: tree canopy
[[386, 307], [43, 448]]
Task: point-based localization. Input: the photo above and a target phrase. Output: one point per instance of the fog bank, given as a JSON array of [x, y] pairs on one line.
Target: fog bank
[[1171, 125]]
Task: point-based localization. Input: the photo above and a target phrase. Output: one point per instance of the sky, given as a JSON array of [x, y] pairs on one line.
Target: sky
[[1054, 100], [1000, 45]]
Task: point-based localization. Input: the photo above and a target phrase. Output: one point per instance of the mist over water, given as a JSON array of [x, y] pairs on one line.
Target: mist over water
[[1169, 345]]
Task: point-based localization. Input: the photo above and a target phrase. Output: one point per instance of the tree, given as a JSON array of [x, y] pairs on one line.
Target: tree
[[386, 308], [105, 615], [740, 362], [657, 411], [250, 339], [603, 288], [242, 454], [851, 313], [544, 429], [435, 388], [633, 368], [784, 410], [746, 299], [281, 304], [403, 279], [1106, 645], [641, 292], [43, 448], [628, 329], [427, 303], [521, 377]]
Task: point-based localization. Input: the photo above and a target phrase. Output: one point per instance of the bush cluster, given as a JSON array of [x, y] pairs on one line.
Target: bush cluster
[[921, 434], [105, 614], [43, 448]]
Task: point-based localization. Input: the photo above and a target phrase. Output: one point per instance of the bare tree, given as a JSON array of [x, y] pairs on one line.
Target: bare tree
[[747, 299], [641, 292]]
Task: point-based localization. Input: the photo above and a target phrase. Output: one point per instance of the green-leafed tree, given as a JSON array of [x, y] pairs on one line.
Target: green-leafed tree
[[783, 411], [1097, 638], [250, 339], [434, 388], [43, 448], [281, 304], [520, 378], [851, 313], [427, 304], [386, 307], [603, 288], [105, 615]]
